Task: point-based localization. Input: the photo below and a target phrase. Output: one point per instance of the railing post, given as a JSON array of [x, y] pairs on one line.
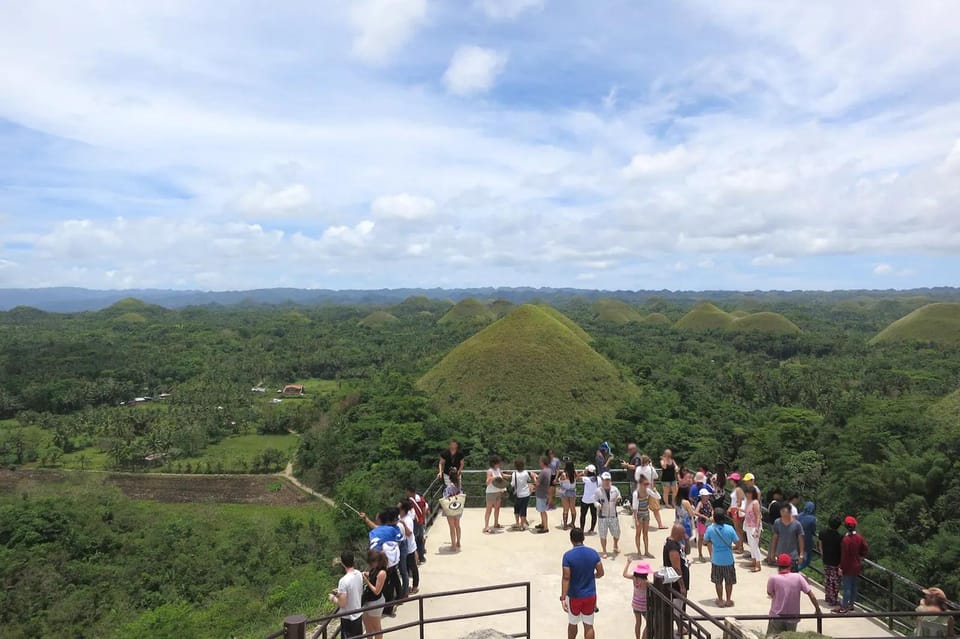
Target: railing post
[[892, 602], [295, 627], [528, 611], [660, 610], [420, 602], [819, 621]]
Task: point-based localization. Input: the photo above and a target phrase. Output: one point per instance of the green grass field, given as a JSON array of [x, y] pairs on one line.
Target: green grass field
[[237, 453], [87, 459]]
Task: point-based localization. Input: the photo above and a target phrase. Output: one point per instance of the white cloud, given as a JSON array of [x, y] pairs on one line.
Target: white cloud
[[508, 9], [384, 26], [882, 269], [264, 200], [610, 99], [403, 206], [770, 259], [952, 163], [652, 164], [473, 70], [350, 235]]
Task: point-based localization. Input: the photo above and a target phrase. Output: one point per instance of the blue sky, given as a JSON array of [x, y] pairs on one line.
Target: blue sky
[[386, 143]]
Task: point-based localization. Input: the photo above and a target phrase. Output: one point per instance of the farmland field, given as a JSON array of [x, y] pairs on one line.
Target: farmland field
[[221, 489], [238, 453]]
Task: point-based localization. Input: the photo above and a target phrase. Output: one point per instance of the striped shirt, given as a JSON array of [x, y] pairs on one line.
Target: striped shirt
[[639, 601]]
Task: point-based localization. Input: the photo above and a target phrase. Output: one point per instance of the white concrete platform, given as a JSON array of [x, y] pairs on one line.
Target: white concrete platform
[[524, 556]]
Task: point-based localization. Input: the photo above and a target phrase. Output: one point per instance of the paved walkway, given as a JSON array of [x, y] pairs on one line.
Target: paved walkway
[[523, 556]]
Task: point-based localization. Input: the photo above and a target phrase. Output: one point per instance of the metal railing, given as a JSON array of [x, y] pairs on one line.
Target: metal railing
[[880, 590], [668, 616], [295, 627]]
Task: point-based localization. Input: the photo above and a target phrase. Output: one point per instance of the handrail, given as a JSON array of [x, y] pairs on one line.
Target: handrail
[[667, 607], [295, 627]]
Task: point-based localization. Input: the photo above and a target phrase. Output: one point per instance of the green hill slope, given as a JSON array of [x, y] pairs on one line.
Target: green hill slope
[[705, 317], [468, 310], [378, 319], [615, 312], [527, 365], [938, 323], [566, 321], [765, 322]]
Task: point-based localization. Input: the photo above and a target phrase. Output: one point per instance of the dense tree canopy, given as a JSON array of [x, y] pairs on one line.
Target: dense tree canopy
[[868, 430]]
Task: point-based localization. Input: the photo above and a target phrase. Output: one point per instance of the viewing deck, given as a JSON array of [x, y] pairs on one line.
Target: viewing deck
[[524, 556]]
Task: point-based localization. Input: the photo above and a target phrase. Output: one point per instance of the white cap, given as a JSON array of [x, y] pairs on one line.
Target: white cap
[[605, 476], [591, 468], [704, 492]]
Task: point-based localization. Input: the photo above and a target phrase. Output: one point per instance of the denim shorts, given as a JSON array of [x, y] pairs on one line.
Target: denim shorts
[[541, 504]]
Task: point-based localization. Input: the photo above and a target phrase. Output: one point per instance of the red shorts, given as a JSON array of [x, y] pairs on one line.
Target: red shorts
[[583, 607]]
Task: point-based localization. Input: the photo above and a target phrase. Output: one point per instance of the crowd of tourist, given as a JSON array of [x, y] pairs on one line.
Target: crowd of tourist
[[718, 515]]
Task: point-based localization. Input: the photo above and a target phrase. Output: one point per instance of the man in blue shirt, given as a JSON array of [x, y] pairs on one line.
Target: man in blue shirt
[[721, 537], [582, 567], [388, 539]]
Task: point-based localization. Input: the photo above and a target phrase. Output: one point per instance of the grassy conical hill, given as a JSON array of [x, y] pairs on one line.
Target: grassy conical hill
[[938, 323], [132, 305], [615, 312], [764, 322], [527, 365], [468, 311], [739, 314], [705, 317], [656, 318], [378, 319], [566, 321]]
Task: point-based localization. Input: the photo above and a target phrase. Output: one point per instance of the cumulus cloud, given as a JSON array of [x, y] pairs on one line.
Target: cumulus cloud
[[383, 26], [264, 200], [789, 136], [882, 269], [508, 9], [653, 164], [473, 70], [403, 206]]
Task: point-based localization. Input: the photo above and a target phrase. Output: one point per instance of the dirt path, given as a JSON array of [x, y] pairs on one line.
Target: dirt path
[[288, 475]]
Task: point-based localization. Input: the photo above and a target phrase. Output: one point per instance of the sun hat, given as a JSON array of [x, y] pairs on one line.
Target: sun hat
[[605, 476], [784, 560], [642, 568], [734, 476], [748, 477], [704, 493], [850, 521], [591, 468], [699, 478]]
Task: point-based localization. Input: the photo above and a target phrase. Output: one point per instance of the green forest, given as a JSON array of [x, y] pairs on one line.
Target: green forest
[[854, 402]]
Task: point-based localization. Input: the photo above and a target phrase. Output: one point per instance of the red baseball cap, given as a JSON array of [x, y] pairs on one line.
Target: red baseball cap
[[784, 560], [850, 521]]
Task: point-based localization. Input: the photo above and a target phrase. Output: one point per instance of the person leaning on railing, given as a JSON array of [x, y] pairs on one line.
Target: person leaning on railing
[[937, 624]]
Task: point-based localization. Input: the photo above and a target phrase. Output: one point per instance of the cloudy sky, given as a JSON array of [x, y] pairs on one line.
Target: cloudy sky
[[383, 143]]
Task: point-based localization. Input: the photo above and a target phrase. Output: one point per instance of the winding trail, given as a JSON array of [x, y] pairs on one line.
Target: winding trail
[[288, 475]]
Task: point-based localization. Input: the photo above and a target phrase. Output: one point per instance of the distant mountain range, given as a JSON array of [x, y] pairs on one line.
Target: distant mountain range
[[71, 300]]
